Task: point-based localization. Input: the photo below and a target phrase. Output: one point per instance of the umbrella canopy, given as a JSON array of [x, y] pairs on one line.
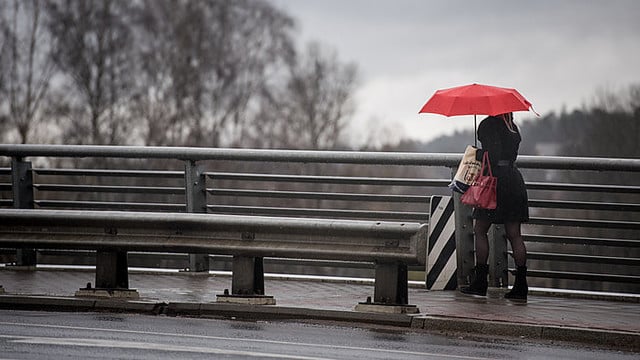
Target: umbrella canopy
[[475, 99]]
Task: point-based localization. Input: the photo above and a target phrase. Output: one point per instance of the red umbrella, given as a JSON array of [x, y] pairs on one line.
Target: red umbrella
[[475, 99]]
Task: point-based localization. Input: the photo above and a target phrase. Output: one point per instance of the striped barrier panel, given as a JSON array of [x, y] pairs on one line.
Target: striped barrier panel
[[441, 253]]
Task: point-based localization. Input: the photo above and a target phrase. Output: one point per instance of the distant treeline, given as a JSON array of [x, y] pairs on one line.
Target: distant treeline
[[609, 127]]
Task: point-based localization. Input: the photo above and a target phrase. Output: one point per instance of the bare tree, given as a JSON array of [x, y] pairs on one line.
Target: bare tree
[[169, 69], [4, 34], [26, 67], [205, 63], [92, 46], [316, 103]]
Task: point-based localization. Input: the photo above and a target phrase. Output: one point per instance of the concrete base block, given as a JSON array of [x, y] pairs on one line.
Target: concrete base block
[[387, 309], [247, 300], [126, 294]]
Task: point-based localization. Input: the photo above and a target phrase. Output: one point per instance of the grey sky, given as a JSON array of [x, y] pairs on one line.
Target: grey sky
[[555, 52]]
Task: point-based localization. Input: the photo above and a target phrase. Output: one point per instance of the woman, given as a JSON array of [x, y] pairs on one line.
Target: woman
[[500, 136]]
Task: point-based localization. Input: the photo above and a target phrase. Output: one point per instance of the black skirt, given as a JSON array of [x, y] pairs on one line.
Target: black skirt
[[512, 200]]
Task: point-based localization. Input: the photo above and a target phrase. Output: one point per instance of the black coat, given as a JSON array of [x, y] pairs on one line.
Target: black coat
[[502, 145]]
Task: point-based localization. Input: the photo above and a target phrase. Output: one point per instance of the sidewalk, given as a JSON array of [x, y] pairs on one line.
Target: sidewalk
[[611, 323]]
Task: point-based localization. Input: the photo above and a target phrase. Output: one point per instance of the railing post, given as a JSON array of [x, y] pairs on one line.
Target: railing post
[[248, 276], [196, 199], [465, 248], [391, 290], [112, 277], [391, 286], [22, 185], [112, 270], [498, 261], [247, 282]]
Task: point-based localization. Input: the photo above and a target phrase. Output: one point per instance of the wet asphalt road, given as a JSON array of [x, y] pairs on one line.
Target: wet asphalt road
[[48, 335]]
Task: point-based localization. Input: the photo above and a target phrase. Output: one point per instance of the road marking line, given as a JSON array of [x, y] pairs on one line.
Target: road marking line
[[150, 346], [402, 352]]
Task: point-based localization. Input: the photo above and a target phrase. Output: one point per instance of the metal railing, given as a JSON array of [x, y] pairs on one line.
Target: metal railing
[[583, 234]]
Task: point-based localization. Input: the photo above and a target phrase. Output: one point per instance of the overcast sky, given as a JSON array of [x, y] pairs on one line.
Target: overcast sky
[[557, 53]]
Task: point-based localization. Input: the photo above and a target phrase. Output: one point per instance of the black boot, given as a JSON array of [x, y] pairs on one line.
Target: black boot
[[520, 288], [479, 284]]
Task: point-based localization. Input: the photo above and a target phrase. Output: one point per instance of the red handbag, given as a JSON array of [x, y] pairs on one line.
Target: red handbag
[[482, 193]]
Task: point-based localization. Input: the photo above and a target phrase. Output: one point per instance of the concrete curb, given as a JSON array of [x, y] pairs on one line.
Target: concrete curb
[[251, 312], [59, 303], [599, 337], [222, 310], [134, 306], [45, 303], [473, 327]]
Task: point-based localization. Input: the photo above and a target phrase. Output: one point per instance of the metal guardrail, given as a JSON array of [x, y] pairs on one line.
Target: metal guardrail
[[391, 246], [305, 156], [573, 227], [322, 239]]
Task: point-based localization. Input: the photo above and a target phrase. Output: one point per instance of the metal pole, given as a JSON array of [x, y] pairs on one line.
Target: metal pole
[[498, 261], [248, 276], [391, 285], [22, 185], [196, 202], [112, 271], [308, 156], [464, 239], [475, 132]]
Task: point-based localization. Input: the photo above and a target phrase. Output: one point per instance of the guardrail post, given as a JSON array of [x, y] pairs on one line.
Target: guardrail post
[[247, 282], [22, 185], [498, 261], [196, 199], [465, 247], [391, 284], [391, 290], [112, 277], [112, 270], [248, 276]]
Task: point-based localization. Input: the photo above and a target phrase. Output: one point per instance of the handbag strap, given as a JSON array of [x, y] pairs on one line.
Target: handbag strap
[[485, 161]]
